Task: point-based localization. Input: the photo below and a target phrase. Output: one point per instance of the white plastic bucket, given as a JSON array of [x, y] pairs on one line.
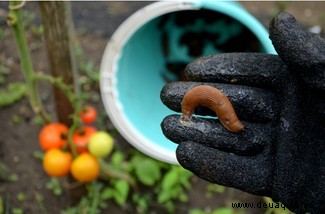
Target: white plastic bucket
[[132, 65]]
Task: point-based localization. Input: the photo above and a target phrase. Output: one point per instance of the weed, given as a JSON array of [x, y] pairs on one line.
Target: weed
[[40, 201], [2, 209], [214, 188], [55, 186], [2, 33], [21, 197], [13, 93]]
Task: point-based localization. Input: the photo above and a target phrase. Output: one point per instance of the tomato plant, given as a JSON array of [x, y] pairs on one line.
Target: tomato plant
[[57, 163], [53, 136], [88, 114], [100, 144], [85, 168], [81, 137]]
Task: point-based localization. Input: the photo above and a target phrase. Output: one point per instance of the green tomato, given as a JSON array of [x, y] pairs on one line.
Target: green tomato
[[100, 144]]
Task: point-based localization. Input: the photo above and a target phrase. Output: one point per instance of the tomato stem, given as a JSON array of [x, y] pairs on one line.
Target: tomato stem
[[70, 143], [16, 23], [107, 171]]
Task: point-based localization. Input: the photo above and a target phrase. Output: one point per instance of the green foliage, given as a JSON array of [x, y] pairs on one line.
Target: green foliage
[[2, 208], [168, 183], [15, 119], [16, 210], [55, 186], [4, 71], [141, 202], [214, 188], [173, 186], [119, 191], [29, 17], [13, 93], [40, 201], [224, 210], [38, 154], [21, 197], [6, 175], [2, 33], [282, 5], [274, 210], [89, 78], [88, 68], [91, 203], [13, 177], [147, 170]]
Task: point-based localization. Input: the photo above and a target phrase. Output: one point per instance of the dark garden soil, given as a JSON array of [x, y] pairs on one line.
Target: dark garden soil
[[94, 24]]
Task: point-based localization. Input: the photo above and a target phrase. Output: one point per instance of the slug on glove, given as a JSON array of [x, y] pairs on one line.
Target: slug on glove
[[208, 96]]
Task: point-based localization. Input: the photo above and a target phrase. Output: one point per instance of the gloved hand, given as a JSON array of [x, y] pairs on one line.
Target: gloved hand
[[280, 99]]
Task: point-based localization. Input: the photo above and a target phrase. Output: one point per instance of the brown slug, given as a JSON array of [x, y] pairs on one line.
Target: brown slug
[[208, 96]]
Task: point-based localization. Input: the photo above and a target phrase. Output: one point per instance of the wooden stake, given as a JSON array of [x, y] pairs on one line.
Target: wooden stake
[[56, 17]]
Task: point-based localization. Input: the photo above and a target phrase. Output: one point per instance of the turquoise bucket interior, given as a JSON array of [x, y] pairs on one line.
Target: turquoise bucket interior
[[140, 70]]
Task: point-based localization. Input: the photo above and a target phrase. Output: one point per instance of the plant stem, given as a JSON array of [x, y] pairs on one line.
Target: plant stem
[[58, 82], [73, 99], [16, 23], [95, 201], [109, 172]]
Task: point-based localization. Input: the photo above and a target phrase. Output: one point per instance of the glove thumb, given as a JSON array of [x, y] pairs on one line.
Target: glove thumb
[[302, 51]]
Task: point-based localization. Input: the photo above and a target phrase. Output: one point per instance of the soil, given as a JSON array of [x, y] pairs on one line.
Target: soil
[[94, 23]]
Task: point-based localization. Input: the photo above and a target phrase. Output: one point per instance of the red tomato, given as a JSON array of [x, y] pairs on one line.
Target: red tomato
[[81, 137], [88, 114], [53, 136]]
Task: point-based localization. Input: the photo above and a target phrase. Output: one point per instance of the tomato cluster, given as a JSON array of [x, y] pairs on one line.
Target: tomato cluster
[[88, 143]]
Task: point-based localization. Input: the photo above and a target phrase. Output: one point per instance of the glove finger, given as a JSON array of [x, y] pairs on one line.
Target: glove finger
[[250, 174], [251, 104], [210, 133], [302, 51], [252, 69]]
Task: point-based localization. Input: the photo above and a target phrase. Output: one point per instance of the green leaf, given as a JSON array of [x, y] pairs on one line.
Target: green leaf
[[121, 192], [117, 158], [107, 193], [13, 178], [17, 211], [15, 119], [4, 70], [57, 191], [223, 211], [21, 197], [141, 202], [170, 207], [147, 171], [170, 180], [38, 154], [183, 197], [165, 196], [216, 188], [13, 93]]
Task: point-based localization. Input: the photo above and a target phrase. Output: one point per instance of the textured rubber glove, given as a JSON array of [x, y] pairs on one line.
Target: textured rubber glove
[[281, 101]]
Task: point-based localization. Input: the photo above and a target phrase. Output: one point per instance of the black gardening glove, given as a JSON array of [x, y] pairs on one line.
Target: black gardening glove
[[281, 102]]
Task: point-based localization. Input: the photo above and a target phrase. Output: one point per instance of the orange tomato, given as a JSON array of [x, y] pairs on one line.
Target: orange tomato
[[88, 114], [85, 168], [57, 163], [81, 137], [52, 136]]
